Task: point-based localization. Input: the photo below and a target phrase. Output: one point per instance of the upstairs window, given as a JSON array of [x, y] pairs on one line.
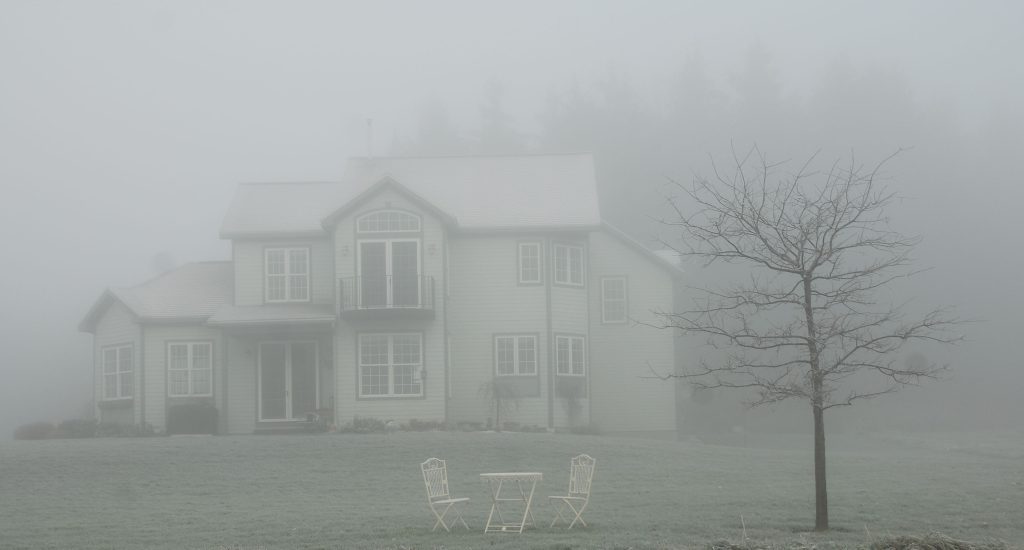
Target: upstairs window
[[569, 356], [613, 300], [568, 265], [190, 369], [529, 263], [287, 275], [388, 221], [515, 355], [118, 373]]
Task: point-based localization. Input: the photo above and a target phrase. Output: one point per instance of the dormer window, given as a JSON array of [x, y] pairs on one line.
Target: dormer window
[[388, 221], [287, 275]]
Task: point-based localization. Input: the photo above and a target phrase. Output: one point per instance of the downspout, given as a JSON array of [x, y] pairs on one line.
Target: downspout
[[548, 276], [444, 320], [142, 375]]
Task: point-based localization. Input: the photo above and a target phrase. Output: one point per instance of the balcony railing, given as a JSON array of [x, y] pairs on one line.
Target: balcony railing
[[364, 296]]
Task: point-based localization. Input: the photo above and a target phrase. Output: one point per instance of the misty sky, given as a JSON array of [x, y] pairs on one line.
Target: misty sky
[[124, 126]]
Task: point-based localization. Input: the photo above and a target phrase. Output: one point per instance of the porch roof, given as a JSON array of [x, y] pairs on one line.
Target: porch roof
[[273, 314]]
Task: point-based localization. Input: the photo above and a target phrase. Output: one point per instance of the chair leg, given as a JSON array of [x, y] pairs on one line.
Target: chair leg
[[579, 515], [440, 518], [558, 513]]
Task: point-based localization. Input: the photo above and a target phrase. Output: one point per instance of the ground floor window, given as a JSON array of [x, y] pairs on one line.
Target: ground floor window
[[515, 355], [390, 365], [570, 358], [190, 369], [118, 372]]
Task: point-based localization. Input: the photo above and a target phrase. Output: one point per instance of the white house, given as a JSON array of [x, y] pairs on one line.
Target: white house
[[399, 292]]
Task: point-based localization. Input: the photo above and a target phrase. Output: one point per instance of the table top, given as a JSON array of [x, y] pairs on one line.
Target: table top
[[528, 476]]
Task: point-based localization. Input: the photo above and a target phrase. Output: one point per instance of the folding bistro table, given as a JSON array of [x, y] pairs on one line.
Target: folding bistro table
[[519, 487]]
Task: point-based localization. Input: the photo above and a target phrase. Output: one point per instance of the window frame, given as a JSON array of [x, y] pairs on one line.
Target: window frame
[[539, 280], [288, 274], [571, 339], [555, 264], [418, 368], [624, 300], [516, 360], [118, 372], [408, 215], [190, 369]]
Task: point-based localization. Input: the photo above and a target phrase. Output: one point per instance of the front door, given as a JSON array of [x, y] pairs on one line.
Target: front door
[[287, 380]]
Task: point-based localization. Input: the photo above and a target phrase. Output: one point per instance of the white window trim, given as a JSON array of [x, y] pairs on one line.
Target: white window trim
[[569, 249], [119, 391], [540, 264], [190, 369], [417, 372], [516, 363], [583, 351], [287, 274], [605, 301], [409, 215]]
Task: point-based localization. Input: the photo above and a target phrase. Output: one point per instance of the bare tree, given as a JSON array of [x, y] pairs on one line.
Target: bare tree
[[812, 320]]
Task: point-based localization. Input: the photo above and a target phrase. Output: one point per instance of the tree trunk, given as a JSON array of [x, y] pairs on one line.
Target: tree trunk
[[817, 404], [820, 488]]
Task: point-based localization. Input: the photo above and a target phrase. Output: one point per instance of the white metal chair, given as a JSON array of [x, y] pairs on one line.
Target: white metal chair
[[435, 476], [581, 473]]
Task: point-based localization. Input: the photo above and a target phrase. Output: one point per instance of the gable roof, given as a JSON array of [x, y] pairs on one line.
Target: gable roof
[[477, 192], [193, 291]]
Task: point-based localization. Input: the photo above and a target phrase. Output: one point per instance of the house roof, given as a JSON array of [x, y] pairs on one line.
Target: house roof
[[193, 291], [477, 192], [284, 314]]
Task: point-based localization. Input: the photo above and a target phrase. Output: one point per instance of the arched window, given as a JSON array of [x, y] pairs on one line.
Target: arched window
[[388, 221]]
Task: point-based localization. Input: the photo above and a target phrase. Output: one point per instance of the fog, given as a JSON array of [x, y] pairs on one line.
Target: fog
[[125, 127]]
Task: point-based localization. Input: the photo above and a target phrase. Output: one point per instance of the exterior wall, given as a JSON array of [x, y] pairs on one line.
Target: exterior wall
[[117, 327], [431, 406], [625, 395], [486, 299], [156, 338], [569, 317], [249, 269]]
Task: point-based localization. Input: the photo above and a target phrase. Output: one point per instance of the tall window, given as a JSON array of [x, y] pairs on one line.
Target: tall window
[[287, 274], [613, 300], [515, 355], [390, 365], [568, 264], [189, 369], [569, 356], [529, 263], [118, 373]]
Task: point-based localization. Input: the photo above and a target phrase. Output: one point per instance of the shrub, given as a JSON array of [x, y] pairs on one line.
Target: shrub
[[425, 425], [197, 417], [35, 430], [113, 429], [368, 425], [77, 428]]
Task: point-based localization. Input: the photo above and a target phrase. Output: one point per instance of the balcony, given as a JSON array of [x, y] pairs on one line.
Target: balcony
[[386, 297]]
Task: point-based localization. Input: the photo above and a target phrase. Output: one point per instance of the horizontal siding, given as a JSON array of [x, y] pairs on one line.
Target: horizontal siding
[[242, 353], [117, 327], [624, 394], [432, 249], [486, 299], [249, 269], [156, 339]]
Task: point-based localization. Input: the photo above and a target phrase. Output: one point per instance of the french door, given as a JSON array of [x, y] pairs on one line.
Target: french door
[[389, 273], [287, 380]]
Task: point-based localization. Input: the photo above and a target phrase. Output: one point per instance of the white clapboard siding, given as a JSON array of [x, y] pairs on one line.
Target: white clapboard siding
[[115, 328], [346, 391], [250, 269], [157, 337], [624, 394]]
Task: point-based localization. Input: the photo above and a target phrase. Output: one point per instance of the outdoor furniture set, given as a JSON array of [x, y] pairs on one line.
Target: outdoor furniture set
[[510, 488]]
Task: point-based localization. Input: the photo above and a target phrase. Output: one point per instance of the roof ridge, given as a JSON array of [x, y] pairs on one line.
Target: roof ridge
[[475, 155]]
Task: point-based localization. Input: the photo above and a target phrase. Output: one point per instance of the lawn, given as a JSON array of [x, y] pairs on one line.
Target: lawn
[[366, 491]]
